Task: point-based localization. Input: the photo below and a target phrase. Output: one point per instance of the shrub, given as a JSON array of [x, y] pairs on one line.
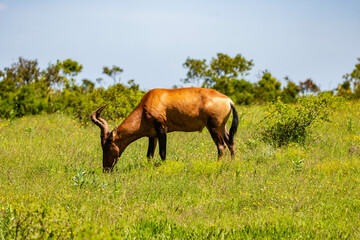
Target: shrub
[[240, 91], [285, 123], [122, 101], [290, 93], [267, 88]]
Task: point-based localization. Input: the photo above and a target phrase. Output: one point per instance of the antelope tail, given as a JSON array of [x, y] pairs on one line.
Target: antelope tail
[[235, 123]]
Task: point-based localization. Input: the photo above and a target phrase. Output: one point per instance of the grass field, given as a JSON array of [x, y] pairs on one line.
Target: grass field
[[52, 185]]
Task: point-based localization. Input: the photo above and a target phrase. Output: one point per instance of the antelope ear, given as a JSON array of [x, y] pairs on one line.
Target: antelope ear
[[113, 133]]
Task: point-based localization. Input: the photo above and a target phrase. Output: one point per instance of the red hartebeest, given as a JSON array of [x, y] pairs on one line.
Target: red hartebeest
[[167, 110]]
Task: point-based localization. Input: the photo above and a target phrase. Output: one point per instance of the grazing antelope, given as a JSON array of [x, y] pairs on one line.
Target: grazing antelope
[[161, 111]]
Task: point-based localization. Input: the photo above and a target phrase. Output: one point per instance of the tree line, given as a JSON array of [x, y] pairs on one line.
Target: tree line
[[227, 75], [26, 89]]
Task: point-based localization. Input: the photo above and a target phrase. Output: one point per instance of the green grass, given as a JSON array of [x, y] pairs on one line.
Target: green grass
[[52, 185]]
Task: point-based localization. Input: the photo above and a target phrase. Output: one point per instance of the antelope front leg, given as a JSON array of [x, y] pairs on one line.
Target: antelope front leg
[[152, 146], [161, 135]]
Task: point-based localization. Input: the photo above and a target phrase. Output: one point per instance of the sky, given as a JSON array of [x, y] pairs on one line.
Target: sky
[[150, 40]]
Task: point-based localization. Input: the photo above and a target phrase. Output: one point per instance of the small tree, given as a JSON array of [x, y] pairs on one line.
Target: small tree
[[87, 86], [223, 68], [222, 74], [69, 69], [241, 91], [21, 91], [197, 71], [345, 89], [113, 72], [355, 74], [267, 88], [308, 86], [290, 92]]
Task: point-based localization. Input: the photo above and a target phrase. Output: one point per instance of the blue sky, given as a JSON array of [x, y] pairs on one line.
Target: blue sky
[[151, 40]]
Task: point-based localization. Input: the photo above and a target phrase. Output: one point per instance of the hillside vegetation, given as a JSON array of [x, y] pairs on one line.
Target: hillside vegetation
[[52, 185]]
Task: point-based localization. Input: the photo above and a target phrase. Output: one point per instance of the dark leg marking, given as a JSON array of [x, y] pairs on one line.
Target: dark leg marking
[[230, 143], [161, 135], [152, 146], [216, 135]]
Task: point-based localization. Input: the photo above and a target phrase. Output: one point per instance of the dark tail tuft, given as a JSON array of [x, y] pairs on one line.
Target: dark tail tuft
[[235, 123]]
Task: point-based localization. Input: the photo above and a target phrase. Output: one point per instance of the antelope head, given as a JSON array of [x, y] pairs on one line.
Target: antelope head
[[111, 152]]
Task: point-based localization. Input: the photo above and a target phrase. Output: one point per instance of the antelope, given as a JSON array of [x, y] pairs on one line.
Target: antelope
[[162, 111]]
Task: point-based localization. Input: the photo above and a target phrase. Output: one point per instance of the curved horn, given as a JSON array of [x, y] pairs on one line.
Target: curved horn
[[101, 123]]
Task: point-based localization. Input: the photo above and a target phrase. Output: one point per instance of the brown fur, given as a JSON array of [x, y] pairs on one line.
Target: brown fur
[[161, 111]]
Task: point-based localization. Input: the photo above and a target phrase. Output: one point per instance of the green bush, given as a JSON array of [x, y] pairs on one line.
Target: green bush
[[121, 101], [290, 93], [268, 88], [240, 91], [285, 123]]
